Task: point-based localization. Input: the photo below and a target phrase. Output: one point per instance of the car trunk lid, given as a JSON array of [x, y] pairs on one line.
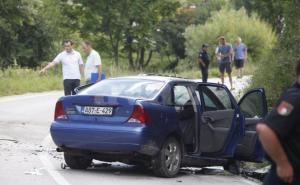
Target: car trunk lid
[[99, 109]]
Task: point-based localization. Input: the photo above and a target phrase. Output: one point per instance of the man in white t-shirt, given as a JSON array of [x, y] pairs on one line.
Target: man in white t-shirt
[[93, 62], [72, 67]]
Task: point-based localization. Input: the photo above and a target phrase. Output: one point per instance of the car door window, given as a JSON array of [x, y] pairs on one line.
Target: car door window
[[181, 96], [217, 128], [252, 105], [215, 98]]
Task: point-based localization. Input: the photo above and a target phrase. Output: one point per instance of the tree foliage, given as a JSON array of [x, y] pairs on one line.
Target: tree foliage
[[26, 32], [231, 24], [276, 72]]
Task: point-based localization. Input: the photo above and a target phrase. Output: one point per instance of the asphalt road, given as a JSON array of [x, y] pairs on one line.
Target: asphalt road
[[28, 156]]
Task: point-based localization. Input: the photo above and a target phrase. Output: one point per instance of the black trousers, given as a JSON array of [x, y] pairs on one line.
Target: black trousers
[[273, 179], [70, 85], [204, 72]]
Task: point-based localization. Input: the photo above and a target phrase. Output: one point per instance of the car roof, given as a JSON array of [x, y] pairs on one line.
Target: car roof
[[155, 77], [165, 79]]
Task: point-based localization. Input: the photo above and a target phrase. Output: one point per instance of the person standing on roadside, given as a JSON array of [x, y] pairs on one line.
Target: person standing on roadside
[[240, 56], [218, 57], [204, 60], [93, 62], [225, 55], [72, 67], [279, 134]]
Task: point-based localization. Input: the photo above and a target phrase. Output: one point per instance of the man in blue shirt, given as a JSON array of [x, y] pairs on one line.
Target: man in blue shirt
[[240, 56], [225, 55]]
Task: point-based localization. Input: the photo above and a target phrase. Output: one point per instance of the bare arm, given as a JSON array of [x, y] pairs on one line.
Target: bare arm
[[81, 68], [50, 65], [99, 67], [231, 54], [275, 150]]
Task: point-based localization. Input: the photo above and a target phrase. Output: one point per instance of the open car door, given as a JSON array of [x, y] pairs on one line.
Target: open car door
[[220, 127], [253, 106]]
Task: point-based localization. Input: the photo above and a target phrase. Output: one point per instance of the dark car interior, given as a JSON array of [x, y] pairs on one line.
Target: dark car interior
[[182, 101]]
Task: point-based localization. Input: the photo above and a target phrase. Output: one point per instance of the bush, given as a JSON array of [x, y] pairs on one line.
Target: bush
[[256, 34]]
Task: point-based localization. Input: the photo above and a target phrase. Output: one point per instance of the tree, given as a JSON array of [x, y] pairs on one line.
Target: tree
[[27, 35], [276, 72], [231, 24], [129, 25]]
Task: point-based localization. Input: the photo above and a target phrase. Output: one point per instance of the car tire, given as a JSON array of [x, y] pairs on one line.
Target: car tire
[[77, 162], [233, 166], [167, 162]]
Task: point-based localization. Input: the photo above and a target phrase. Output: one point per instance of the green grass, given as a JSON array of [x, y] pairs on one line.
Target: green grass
[[19, 80]]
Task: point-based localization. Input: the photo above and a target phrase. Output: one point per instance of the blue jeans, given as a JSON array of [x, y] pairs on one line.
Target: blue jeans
[[273, 179]]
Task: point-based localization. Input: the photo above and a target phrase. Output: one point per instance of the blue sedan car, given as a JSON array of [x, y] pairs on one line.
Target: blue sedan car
[[163, 123]]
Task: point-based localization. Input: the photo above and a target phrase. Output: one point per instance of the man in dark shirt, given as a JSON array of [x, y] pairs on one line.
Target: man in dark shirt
[[203, 60], [280, 135]]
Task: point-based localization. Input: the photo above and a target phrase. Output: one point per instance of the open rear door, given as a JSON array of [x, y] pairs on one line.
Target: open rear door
[[253, 106]]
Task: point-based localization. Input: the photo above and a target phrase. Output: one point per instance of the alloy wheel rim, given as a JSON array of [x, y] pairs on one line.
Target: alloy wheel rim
[[172, 157]]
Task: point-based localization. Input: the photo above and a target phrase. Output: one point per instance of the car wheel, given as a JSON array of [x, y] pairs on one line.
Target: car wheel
[[77, 162], [167, 162], [233, 167]]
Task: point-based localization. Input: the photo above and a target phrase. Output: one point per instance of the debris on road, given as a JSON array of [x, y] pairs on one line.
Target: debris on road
[[33, 172], [12, 140], [99, 165], [63, 166]]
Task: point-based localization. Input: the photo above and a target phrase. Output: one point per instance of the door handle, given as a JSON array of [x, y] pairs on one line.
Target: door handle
[[207, 119]]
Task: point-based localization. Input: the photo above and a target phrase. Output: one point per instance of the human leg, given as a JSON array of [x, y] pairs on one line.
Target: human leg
[[222, 71], [204, 71], [228, 71], [67, 87], [75, 83]]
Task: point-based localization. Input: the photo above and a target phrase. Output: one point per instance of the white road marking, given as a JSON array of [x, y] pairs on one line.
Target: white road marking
[[59, 179]]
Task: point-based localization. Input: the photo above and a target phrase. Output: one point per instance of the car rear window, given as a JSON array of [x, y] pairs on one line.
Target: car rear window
[[134, 88]]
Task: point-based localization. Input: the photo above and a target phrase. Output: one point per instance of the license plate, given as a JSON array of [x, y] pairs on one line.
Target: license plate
[[107, 111]]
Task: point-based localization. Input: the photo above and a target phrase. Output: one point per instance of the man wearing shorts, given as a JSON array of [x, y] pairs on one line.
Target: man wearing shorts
[[225, 54], [240, 56]]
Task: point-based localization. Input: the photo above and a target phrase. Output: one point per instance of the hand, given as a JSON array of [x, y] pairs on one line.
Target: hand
[[43, 71], [203, 64], [285, 172]]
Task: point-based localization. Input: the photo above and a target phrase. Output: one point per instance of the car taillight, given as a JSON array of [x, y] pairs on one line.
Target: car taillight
[[59, 111], [139, 115]]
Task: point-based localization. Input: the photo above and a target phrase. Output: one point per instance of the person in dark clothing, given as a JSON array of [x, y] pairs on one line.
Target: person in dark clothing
[[204, 60], [279, 134]]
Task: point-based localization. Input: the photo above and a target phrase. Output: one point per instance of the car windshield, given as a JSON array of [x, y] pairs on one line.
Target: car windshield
[[134, 88]]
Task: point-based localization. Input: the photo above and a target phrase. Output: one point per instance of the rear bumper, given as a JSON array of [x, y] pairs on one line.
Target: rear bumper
[[104, 138]]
